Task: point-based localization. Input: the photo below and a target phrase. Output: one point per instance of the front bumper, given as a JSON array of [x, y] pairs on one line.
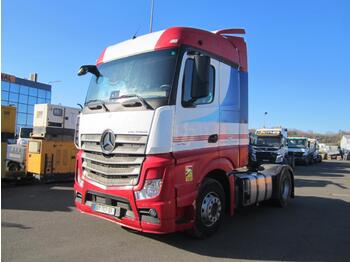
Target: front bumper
[[300, 158], [132, 215], [135, 214]]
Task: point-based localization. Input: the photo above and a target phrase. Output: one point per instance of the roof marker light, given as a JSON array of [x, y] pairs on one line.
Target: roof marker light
[[174, 41]]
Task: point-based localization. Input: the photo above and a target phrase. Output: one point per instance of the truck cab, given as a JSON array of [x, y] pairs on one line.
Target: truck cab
[[163, 129], [270, 146], [299, 147], [314, 150]]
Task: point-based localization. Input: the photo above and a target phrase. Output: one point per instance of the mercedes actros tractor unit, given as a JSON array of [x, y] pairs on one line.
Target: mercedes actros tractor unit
[[163, 134]]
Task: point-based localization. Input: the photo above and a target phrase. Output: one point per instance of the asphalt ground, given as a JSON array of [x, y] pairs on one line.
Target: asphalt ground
[[40, 223]]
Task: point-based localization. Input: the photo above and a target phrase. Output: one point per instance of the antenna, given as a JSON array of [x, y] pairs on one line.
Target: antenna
[[151, 18], [135, 35]]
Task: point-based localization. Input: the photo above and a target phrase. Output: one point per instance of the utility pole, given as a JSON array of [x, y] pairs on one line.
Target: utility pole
[[151, 18]]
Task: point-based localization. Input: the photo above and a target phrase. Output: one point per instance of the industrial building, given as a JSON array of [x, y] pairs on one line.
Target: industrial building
[[24, 94]]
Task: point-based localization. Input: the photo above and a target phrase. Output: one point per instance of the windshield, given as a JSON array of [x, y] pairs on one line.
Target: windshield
[[296, 142], [274, 141], [147, 75]]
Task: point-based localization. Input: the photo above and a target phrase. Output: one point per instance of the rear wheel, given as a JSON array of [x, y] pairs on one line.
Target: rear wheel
[[210, 209], [284, 189]]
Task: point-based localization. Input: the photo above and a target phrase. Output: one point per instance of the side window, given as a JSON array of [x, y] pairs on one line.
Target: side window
[[187, 84]]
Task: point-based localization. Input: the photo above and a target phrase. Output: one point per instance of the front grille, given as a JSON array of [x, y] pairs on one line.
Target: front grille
[[121, 167], [266, 155], [298, 154]]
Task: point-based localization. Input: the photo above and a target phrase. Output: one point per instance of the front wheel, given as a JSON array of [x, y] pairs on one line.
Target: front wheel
[[210, 209]]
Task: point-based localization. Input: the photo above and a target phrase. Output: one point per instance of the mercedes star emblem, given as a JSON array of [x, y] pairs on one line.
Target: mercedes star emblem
[[107, 141]]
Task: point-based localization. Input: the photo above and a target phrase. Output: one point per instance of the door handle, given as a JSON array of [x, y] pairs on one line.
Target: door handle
[[213, 138]]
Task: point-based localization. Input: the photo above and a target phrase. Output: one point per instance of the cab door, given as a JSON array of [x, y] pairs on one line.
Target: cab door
[[195, 132], [196, 126]]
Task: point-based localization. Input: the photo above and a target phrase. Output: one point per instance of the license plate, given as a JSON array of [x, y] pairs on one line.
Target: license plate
[[105, 209]]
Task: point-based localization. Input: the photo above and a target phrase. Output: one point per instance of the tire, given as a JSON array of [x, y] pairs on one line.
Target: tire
[[283, 189], [293, 163], [12, 166], [210, 209]]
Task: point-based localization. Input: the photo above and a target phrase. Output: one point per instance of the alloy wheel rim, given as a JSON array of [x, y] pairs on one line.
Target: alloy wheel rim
[[211, 209]]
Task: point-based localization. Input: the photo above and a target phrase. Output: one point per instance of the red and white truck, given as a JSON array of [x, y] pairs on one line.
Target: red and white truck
[[163, 135]]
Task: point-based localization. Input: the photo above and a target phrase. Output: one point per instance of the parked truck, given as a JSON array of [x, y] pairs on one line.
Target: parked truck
[[163, 135], [314, 150], [300, 148], [270, 145]]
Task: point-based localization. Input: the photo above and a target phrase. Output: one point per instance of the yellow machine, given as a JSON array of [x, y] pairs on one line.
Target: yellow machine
[[8, 128], [8, 120], [47, 158], [51, 149]]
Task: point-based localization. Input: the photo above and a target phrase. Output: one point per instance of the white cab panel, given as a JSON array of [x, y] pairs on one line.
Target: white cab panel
[[140, 44], [160, 137], [125, 122]]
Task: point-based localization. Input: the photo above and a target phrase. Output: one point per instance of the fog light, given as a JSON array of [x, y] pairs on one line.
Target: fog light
[[152, 212]]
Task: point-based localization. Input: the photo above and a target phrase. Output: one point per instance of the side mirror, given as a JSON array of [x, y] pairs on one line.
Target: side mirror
[[84, 69], [200, 77]]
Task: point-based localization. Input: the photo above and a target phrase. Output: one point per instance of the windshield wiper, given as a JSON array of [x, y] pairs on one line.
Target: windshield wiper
[[142, 100], [96, 104]]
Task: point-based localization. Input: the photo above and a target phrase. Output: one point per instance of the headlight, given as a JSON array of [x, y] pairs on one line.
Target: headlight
[[150, 189], [76, 133], [80, 177], [279, 158]]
